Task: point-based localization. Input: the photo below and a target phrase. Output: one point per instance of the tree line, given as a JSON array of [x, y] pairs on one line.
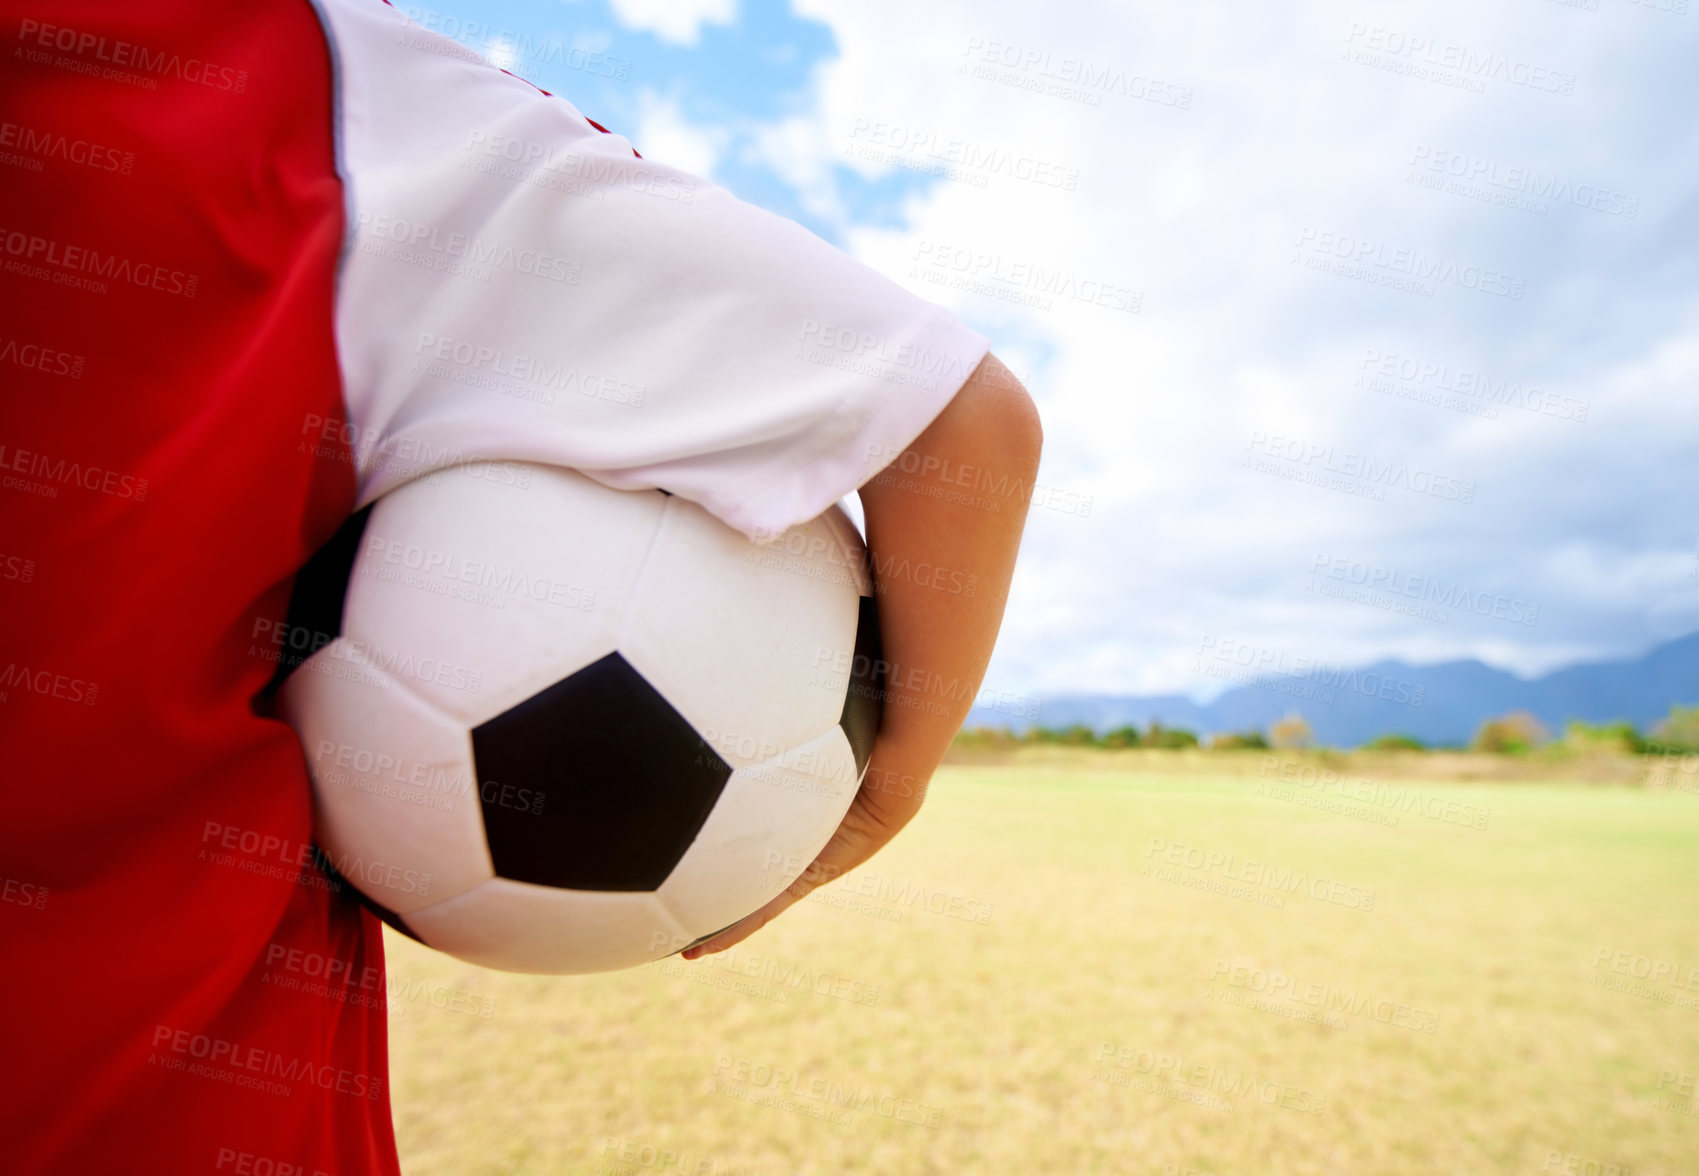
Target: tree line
[[1516, 733]]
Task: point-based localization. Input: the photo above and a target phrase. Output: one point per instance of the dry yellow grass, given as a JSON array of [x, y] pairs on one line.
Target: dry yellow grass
[[1041, 976]]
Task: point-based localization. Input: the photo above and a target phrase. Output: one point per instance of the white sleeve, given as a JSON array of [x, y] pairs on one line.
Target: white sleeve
[[519, 286]]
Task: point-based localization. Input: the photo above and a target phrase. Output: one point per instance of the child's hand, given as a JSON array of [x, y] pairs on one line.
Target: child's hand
[[937, 630]]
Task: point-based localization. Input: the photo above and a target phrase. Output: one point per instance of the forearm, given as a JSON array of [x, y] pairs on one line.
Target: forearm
[[942, 563], [936, 633]]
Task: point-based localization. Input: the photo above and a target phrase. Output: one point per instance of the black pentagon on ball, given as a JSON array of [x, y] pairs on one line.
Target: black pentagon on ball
[[317, 600], [594, 783]]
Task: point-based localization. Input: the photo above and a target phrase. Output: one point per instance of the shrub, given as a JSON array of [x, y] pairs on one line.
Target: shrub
[[1618, 736], [1679, 731], [1395, 743], [1512, 734], [1291, 732], [1078, 735], [1126, 736], [1172, 738]]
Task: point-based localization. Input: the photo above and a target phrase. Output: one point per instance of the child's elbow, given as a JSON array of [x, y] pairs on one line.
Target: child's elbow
[[1002, 416]]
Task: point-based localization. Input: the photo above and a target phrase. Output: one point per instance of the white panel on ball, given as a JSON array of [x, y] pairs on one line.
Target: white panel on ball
[[755, 653], [483, 584], [857, 571], [770, 822], [519, 927], [394, 784]]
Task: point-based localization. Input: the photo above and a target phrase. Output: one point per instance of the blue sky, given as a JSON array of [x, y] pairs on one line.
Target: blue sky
[[732, 76], [1409, 341]]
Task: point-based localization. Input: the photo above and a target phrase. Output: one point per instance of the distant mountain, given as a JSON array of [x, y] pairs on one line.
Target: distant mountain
[[1438, 704]]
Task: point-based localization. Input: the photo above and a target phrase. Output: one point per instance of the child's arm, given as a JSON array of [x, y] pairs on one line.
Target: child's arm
[[937, 639]]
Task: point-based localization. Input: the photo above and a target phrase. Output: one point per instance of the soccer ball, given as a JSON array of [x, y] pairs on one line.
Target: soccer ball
[[554, 727]]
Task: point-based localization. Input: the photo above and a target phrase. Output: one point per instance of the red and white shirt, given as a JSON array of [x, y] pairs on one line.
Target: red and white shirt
[[261, 263]]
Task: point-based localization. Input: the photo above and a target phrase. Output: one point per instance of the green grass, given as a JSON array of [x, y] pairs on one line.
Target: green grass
[[1034, 1024]]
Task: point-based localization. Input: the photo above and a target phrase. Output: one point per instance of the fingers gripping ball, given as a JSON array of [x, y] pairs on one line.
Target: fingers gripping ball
[[554, 727]]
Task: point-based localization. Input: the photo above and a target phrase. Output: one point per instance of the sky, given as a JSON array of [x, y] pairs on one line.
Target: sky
[[1374, 329]]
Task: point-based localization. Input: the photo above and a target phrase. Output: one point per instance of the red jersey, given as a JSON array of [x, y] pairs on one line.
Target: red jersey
[[168, 248], [260, 263]]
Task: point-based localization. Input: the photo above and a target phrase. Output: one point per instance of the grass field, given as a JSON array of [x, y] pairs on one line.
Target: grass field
[[1125, 963]]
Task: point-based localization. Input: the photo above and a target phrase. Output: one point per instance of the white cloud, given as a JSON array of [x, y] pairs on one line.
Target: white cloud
[[664, 134], [1305, 121], [799, 152], [679, 21], [501, 52]]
